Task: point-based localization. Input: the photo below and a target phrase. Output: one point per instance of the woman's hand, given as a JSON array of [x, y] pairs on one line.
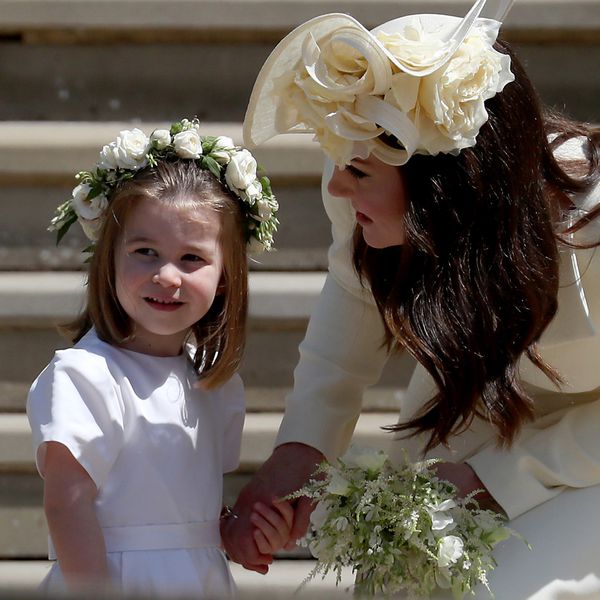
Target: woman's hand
[[465, 479], [287, 470]]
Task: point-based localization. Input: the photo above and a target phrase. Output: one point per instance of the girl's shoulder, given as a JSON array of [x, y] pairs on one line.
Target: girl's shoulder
[[231, 393], [88, 360]]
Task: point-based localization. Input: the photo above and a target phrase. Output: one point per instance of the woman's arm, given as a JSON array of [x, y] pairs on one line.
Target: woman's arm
[[69, 495]]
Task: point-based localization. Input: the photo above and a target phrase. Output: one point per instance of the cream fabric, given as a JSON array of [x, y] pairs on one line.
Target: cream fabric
[[342, 354], [157, 447]]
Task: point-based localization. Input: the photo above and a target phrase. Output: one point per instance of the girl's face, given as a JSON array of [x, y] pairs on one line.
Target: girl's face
[[377, 193], [168, 265]]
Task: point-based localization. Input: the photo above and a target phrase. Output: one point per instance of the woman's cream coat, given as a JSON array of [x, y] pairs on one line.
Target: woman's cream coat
[[342, 354]]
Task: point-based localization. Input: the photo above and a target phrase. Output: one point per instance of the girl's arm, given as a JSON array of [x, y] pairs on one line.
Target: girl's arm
[[69, 494]]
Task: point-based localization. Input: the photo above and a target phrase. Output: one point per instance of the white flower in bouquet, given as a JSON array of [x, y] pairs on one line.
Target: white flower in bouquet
[[391, 524]]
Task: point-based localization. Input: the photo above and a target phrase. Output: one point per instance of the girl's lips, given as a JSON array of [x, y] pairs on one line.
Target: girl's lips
[[163, 305], [362, 219]]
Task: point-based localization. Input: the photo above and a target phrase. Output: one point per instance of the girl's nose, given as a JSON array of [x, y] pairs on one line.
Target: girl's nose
[[338, 184], [168, 276]]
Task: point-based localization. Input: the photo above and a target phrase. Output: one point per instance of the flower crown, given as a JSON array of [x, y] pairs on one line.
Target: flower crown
[[414, 85], [233, 166]]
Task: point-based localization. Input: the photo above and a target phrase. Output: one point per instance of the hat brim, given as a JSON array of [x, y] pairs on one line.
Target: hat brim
[[260, 119], [260, 122]]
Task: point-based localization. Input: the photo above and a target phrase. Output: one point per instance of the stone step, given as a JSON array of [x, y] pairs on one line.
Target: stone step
[[280, 304], [258, 18], [283, 579]]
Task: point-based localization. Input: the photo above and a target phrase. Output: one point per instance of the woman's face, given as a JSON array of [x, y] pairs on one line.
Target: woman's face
[[377, 193]]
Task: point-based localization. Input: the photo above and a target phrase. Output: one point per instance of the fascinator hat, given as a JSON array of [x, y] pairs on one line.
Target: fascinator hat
[[414, 85]]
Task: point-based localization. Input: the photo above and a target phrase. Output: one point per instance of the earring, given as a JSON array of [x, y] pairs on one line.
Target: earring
[[155, 278]]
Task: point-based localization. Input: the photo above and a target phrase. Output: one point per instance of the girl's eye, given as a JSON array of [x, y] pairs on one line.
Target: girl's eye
[[191, 258], [355, 172], [146, 252]]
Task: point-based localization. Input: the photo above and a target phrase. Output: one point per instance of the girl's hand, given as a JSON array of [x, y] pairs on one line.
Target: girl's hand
[[273, 525], [465, 479]]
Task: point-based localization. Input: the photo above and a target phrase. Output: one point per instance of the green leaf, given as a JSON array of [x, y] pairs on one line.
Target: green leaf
[[212, 165], [65, 227]]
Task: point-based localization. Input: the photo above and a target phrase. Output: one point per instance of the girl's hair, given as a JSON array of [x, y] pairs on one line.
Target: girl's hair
[[475, 283], [220, 334]]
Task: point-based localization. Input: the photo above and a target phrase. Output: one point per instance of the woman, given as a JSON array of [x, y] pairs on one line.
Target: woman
[[465, 224]]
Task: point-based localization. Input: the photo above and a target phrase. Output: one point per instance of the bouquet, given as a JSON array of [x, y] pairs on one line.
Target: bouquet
[[400, 528]]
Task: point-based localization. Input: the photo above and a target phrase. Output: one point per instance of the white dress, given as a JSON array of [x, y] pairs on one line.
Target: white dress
[[157, 447], [548, 482]]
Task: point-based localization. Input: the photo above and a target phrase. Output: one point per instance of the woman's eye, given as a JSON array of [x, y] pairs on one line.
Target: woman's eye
[[355, 172]]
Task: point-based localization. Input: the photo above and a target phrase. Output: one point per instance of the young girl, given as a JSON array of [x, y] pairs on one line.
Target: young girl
[[135, 425]]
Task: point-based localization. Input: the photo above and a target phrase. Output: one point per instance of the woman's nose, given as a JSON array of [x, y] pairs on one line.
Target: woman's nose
[[338, 184], [168, 276]]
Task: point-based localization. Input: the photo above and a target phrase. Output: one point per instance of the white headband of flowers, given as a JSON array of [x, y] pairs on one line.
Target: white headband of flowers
[[132, 151], [422, 79]]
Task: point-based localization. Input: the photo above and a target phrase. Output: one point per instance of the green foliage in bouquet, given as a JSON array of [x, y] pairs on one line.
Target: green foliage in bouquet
[[400, 528]]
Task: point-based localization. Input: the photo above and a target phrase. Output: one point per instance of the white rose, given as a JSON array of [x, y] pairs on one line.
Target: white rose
[[91, 228], [252, 193], [319, 516], [161, 137], [440, 519], [365, 458], [449, 550], [222, 150], [453, 97], [264, 210], [128, 151], [188, 144], [85, 208], [339, 486], [241, 170]]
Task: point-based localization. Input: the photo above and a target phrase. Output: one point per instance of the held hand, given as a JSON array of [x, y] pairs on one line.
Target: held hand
[[465, 479], [287, 470], [273, 525]]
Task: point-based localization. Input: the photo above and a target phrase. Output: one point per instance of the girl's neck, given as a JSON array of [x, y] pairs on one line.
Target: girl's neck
[[171, 345]]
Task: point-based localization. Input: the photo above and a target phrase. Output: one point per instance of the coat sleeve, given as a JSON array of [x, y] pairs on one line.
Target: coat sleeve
[[342, 352]]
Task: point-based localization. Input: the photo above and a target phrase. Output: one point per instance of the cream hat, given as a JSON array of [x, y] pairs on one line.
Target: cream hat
[[421, 79]]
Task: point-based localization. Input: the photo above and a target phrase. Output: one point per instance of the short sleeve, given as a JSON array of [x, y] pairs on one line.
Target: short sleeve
[[232, 403], [75, 402]]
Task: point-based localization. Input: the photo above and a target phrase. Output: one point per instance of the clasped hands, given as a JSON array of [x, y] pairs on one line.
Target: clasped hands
[[265, 523]]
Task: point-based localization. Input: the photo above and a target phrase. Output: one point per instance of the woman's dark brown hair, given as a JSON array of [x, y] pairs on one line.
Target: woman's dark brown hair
[[220, 334], [475, 283]]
